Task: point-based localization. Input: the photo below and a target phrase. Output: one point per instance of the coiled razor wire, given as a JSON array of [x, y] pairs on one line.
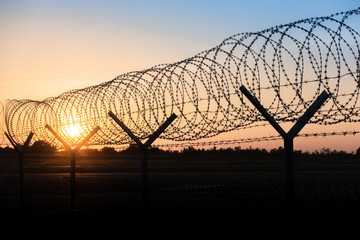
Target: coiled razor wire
[[286, 67]]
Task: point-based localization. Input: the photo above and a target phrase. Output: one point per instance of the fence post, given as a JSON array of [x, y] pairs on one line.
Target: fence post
[[20, 150], [73, 152], [288, 137], [144, 147], [289, 171]]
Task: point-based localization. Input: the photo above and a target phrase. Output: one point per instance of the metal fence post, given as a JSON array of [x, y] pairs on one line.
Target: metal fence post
[[288, 137], [72, 180], [73, 152], [145, 179], [289, 171], [144, 147], [20, 150]]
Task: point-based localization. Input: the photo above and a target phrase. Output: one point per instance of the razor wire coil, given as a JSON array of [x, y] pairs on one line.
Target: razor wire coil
[[286, 67]]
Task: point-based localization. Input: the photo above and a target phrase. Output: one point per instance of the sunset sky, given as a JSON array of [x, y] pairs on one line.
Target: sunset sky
[[49, 47]]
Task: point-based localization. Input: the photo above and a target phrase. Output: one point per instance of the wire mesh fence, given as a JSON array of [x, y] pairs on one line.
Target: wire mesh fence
[[112, 193]]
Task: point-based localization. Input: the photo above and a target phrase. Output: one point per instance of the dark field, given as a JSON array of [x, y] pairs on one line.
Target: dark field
[[111, 184]]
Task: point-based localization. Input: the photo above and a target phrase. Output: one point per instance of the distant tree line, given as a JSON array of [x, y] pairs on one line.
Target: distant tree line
[[263, 152], [42, 147]]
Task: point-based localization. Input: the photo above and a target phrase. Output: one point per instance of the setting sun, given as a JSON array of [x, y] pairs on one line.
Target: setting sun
[[73, 131]]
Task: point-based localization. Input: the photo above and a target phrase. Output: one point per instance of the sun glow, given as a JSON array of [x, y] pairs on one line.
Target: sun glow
[[73, 131]]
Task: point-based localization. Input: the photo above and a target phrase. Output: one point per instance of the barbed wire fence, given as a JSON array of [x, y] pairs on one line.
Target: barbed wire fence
[[286, 67]]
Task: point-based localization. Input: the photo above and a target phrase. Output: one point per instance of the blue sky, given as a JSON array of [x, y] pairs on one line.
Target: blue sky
[[81, 43]]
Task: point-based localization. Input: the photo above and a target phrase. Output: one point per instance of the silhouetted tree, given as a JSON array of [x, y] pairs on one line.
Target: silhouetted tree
[[358, 152], [108, 150], [325, 151], [277, 152], [90, 151], [190, 150], [133, 148], [42, 147], [7, 150]]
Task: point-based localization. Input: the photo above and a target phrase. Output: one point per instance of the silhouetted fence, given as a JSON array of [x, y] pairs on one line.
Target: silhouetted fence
[[208, 92], [122, 192]]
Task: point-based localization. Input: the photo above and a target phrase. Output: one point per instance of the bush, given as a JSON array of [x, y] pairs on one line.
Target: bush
[[42, 147], [108, 150]]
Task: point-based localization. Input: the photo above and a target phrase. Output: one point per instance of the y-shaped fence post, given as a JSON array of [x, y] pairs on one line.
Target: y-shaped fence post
[[20, 151], [73, 152], [144, 147], [288, 137]]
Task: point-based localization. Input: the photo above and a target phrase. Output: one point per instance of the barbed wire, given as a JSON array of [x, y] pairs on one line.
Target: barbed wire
[[233, 142], [286, 67], [251, 140]]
